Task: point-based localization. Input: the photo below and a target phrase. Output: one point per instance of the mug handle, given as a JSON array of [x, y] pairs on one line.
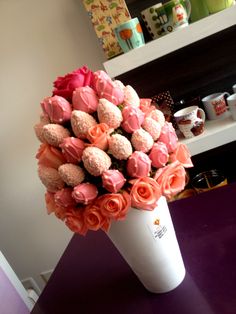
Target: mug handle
[[201, 114], [188, 7], [226, 95]]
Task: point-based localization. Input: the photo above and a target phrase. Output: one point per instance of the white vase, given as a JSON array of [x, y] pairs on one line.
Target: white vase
[[147, 241]]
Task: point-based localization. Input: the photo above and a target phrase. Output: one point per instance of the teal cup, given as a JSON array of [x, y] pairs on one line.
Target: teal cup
[[129, 35]]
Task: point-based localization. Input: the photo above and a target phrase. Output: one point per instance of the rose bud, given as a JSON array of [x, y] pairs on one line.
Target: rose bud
[[109, 113], [85, 99], [49, 156], [131, 97], [85, 193], [72, 149], [142, 140], [120, 147], [64, 198], [138, 165], [159, 155], [169, 137], [113, 180], [57, 108], [133, 118]]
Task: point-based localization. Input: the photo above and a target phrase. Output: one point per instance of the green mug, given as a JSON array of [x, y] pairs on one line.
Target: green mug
[[172, 15], [218, 5], [199, 10]]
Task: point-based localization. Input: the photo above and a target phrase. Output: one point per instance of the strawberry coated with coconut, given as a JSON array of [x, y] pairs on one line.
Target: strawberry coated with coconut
[[103, 150]]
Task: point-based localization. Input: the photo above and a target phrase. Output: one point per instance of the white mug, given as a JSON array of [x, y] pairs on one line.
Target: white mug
[[231, 100], [215, 106], [190, 121], [234, 88]]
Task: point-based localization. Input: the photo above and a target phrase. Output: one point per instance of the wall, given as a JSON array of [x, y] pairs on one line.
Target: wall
[[39, 41]]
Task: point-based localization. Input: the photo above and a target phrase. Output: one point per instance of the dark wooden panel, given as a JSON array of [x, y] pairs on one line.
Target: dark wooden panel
[[201, 68]]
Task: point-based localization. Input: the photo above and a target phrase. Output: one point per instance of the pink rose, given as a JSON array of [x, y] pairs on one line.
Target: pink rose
[[65, 85], [85, 193], [182, 154], [85, 99], [169, 137], [98, 135], [171, 179], [64, 198], [74, 219], [113, 180], [159, 155], [94, 219], [145, 193], [114, 205], [50, 156], [72, 149], [57, 108], [132, 119], [138, 165], [52, 207]]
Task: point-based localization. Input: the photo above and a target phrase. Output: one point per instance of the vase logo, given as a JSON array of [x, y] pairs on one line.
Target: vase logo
[[157, 230]]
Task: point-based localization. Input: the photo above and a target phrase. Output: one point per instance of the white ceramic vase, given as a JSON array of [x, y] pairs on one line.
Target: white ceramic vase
[[147, 241]]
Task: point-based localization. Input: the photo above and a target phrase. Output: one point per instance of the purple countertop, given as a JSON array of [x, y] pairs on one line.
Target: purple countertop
[[92, 277]]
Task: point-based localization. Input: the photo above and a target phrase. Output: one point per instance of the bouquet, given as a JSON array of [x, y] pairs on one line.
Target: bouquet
[[104, 150]]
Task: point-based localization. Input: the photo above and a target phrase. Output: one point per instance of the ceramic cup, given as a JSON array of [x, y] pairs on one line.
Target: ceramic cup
[[218, 5], [208, 180], [215, 106], [234, 88], [129, 35], [231, 100], [163, 19], [190, 121]]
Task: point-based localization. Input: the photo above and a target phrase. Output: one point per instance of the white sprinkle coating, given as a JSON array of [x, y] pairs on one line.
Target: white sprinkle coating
[[152, 127], [38, 129], [50, 178], [109, 113], [81, 122], [120, 147], [142, 140], [54, 134], [71, 174], [158, 116], [95, 160], [131, 97]]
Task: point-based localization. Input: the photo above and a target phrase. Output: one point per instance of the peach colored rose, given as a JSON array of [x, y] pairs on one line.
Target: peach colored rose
[[98, 135], [114, 205], [50, 156], [52, 207], [145, 105], [94, 219], [182, 154], [145, 193], [74, 219], [171, 179]]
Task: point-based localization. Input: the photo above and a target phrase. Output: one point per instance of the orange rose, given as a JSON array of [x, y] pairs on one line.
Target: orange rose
[[74, 219], [114, 205], [52, 207], [182, 154], [98, 135], [50, 156], [94, 219], [171, 179], [145, 193]]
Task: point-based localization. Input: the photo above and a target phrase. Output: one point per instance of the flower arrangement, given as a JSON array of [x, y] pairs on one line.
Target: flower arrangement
[[104, 150]]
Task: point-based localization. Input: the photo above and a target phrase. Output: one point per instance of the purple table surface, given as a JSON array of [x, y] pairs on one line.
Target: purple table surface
[[92, 277]]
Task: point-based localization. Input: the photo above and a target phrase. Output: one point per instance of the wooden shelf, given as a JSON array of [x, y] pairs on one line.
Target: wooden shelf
[[171, 42], [217, 133]]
